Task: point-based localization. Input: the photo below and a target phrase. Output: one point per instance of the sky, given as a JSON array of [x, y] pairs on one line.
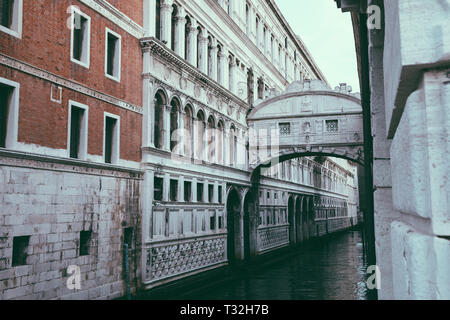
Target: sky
[[328, 35]]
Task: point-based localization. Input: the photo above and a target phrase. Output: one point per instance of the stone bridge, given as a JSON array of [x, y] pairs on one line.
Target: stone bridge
[[307, 119]]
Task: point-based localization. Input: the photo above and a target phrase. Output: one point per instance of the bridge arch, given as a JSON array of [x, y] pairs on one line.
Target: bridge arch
[[308, 119]]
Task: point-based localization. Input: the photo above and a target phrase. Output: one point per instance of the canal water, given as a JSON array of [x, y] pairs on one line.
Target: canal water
[[330, 268]]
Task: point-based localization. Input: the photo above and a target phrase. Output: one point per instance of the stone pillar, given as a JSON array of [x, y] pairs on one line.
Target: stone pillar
[[166, 187], [180, 197], [166, 133], [268, 46], [204, 138], [148, 119], [226, 148], [192, 43], [205, 191], [203, 52], [194, 190], [195, 142], [213, 62], [181, 133], [149, 18], [225, 67], [232, 74], [216, 192], [180, 27], [166, 22]]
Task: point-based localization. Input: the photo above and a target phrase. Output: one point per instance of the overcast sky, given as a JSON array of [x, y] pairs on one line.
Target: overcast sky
[[328, 35]]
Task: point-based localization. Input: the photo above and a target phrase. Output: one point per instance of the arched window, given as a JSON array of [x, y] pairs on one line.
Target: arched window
[[188, 132], [220, 144], [173, 26], [187, 30], [160, 102], [174, 110], [200, 134], [211, 139]]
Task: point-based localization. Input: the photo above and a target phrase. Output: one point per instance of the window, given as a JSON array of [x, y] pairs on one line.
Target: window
[[158, 189], [187, 191], [210, 193], [9, 112], [11, 17], [80, 38], [220, 194], [199, 192], [332, 125], [85, 242], [112, 138], [220, 223], [285, 128], [20, 248], [78, 128], [173, 190], [113, 55], [212, 223]]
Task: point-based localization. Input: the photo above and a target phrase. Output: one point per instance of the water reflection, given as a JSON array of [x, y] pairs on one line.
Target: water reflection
[[329, 269]]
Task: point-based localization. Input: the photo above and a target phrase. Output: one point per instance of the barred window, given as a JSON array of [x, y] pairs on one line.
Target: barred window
[[332, 125], [285, 128]]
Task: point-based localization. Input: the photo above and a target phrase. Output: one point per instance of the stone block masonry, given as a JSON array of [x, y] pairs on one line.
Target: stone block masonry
[[39, 202]]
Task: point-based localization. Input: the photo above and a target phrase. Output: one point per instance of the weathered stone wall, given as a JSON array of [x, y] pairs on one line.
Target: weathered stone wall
[[409, 82], [52, 201]]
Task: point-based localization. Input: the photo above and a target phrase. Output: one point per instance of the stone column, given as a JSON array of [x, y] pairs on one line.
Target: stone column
[[181, 133], [203, 52], [225, 67], [226, 147], [166, 133], [166, 22], [204, 138], [180, 197], [205, 191], [180, 32], [148, 119], [216, 192], [149, 18], [268, 46], [213, 73], [195, 142], [166, 187], [232, 74], [194, 190], [192, 43]]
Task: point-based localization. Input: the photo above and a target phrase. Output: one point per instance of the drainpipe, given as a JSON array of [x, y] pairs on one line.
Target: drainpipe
[[368, 141]]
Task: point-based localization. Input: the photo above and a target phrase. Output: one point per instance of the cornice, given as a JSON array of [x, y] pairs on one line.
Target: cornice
[[119, 18]]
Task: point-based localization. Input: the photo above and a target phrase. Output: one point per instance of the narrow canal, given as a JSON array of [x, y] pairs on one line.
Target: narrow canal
[[332, 268]]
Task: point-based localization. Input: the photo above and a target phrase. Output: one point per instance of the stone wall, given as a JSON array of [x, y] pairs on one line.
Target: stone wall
[[52, 201]]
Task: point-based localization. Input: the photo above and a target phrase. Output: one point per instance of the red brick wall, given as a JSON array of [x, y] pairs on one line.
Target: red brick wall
[[46, 40], [45, 123], [131, 8]]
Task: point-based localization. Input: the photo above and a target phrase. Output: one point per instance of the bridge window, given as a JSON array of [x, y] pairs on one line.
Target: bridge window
[[332, 125], [285, 128]]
